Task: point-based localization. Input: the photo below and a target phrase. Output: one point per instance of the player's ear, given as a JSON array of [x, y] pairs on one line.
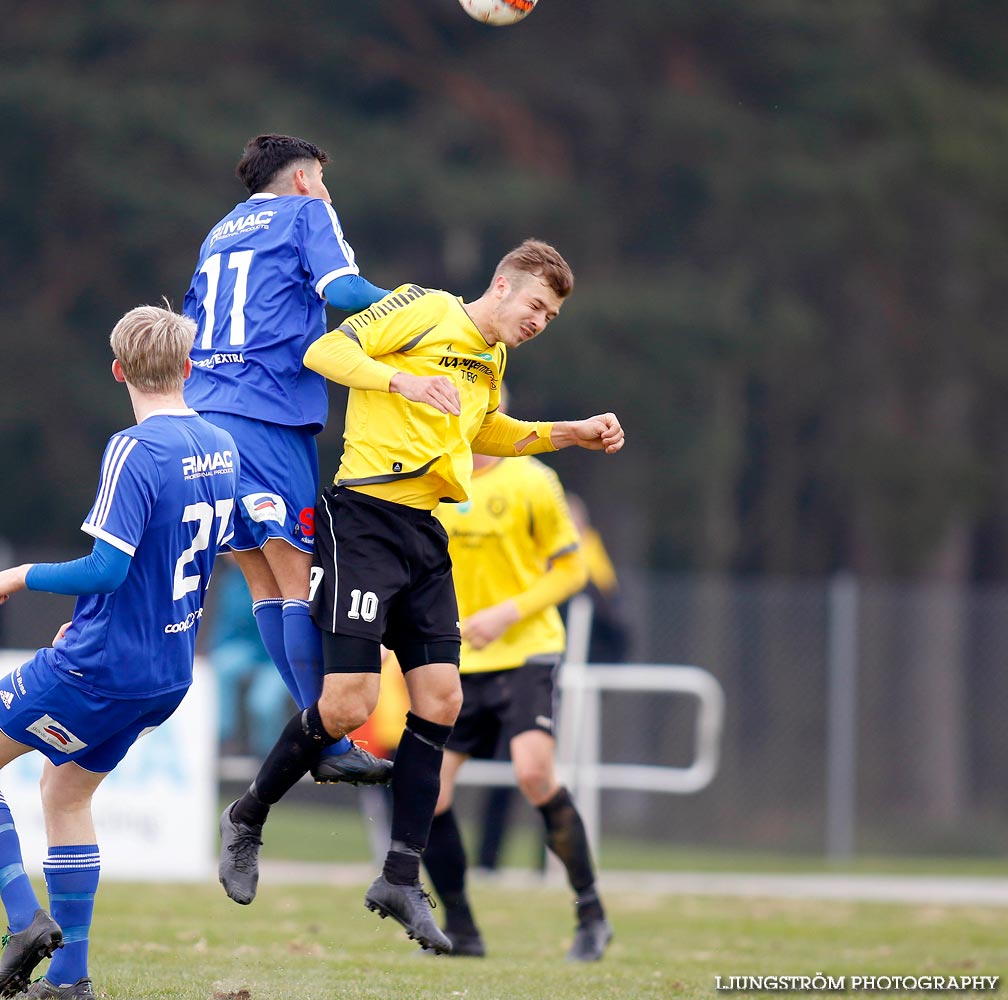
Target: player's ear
[[300, 182], [117, 371], [187, 368]]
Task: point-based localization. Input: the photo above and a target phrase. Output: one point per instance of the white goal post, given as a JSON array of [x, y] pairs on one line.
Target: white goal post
[[580, 743]]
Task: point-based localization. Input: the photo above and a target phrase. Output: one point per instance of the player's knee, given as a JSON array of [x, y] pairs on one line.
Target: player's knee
[[347, 701], [453, 704], [340, 718], [57, 794], [535, 781], [436, 696], [444, 707]]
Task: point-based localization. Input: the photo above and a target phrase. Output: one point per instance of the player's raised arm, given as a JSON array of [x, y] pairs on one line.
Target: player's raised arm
[[503, 435]]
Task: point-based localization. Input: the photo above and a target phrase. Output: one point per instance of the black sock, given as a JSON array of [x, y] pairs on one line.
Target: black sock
[[445, 861], [566, 838], [298, 748], [588, 906], [416, 781]]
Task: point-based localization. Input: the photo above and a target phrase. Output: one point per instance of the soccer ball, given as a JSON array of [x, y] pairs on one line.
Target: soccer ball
[[498, 11]]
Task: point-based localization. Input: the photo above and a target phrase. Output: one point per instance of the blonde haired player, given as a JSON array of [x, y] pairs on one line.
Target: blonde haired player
[[122, 665], [424, 371]]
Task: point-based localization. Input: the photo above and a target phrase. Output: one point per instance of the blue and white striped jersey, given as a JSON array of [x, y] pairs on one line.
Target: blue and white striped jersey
[[257, 301], [166, 498]]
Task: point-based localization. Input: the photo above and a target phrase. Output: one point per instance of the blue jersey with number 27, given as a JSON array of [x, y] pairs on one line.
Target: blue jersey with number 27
[[166, 498], [257, 301]]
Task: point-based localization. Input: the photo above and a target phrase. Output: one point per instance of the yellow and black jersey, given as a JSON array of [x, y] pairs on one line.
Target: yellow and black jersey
[[408, 452], [502, 541]]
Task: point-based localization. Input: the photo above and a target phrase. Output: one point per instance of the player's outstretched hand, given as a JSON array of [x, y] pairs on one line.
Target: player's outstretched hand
[[599, 433], [438, 391], [12, 580]]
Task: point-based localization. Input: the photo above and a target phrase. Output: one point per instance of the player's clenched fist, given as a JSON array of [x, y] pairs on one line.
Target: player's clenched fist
[[599, 433]]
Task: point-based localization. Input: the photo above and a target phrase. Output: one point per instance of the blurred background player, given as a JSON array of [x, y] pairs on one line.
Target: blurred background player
[[609, 638], [424, 371], [252, 699], [164, 505], [258, 296], [515, 557], [608, 642]]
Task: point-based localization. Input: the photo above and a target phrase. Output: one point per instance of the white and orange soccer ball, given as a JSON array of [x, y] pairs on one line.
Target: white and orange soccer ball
[[498, 11]]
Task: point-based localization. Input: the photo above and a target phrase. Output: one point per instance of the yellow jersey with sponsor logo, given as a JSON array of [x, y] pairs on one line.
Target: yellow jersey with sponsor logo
[[501, 542], [408, 452]]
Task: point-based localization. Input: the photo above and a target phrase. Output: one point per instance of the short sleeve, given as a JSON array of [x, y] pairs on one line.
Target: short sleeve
[[325, 253], [126, 493]]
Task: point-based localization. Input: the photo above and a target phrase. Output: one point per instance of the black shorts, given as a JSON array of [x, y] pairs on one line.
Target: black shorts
[[382, 572], [499, 704]]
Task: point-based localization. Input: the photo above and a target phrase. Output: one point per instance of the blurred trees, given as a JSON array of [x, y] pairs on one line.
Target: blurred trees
[[787, 223]]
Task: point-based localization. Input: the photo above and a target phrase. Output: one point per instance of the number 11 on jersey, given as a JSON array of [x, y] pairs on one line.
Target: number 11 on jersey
[[237, 260]]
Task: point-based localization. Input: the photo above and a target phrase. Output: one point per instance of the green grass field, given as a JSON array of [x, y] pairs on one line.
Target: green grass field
[[317, 943]]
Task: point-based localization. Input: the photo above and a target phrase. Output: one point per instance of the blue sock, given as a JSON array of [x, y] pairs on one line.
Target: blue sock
[[16, 890], [71, 874], [269, 618], [304, 652]]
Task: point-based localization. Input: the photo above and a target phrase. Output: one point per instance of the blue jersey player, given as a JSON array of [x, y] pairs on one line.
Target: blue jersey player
[[258, 296], [164, 505]]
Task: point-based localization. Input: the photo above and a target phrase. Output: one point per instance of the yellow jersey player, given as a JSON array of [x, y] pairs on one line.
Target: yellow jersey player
[[515, 556], [424, 371]]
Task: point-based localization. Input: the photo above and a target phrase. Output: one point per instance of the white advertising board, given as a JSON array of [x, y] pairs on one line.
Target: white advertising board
[[156, 813]]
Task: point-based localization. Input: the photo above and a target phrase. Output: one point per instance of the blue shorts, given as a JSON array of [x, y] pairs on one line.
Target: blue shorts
[[278, 483], [39, 708]]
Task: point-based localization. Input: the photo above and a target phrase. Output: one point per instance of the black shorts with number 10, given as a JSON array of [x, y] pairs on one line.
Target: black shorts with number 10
[[382, 571]]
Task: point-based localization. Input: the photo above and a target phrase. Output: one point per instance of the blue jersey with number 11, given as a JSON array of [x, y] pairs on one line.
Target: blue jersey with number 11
[[166, 498], [257, 301]]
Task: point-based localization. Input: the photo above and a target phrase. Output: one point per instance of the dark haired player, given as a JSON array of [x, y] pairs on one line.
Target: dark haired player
[[265, 273]]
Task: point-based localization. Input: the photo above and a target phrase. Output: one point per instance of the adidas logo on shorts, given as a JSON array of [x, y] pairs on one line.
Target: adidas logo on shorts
[[7, 698]]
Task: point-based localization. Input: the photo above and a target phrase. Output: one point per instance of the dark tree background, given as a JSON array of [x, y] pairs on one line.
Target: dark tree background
[[788, 222]]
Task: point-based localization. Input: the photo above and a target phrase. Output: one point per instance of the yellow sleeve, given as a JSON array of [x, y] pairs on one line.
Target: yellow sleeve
[[499, 435], [566, 576], [600, 568], [340, 358], [348, 354]]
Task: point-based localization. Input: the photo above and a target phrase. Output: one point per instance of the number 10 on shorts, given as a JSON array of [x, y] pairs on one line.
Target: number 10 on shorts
[[363, 604]]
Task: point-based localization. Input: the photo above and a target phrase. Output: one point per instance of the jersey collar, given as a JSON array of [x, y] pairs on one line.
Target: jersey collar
[[184, 412]]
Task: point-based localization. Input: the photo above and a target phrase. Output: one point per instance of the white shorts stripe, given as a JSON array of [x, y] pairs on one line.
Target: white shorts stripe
[[335, 571]]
